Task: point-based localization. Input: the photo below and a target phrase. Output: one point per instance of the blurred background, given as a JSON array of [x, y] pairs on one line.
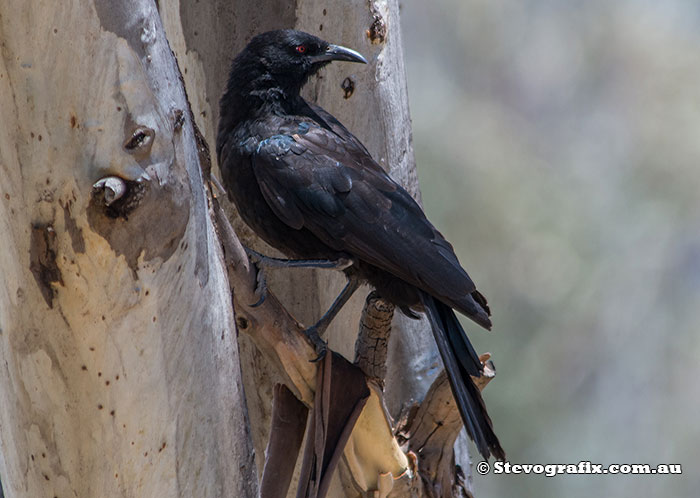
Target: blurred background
[[558, 150]]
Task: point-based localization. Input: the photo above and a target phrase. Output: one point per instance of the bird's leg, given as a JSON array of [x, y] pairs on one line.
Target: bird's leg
[[260, 261], [333, 264], [315, 332]]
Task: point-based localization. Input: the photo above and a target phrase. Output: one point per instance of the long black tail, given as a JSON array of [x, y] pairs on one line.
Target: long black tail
[[460, 362]]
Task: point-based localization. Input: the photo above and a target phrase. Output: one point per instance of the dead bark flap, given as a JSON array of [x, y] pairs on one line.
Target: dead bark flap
[[341, 393], [286, 435]]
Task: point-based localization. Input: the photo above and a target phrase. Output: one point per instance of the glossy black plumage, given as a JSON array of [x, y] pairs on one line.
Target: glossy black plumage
[[308, 187]]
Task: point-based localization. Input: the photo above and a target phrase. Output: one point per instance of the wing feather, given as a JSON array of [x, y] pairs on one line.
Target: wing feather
[[331, 186]]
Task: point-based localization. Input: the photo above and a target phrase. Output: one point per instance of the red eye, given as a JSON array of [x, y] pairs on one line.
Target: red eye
[[301, 49]]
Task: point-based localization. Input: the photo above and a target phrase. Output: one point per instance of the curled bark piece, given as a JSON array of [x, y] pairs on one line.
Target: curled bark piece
[[112, 188]]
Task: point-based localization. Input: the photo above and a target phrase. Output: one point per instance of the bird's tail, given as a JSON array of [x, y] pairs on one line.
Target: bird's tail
[[461, 362]]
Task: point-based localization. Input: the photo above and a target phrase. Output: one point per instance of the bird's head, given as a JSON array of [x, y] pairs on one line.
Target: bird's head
[[288, 57]]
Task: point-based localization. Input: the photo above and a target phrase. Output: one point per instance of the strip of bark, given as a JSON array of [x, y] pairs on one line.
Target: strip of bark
[[286, 435]]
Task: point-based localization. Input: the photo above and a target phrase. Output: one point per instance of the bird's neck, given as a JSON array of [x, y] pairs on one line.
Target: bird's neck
[[253, 93], [252, 89]]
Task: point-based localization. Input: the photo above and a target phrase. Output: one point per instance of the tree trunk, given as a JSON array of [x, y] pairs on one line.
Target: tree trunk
[[120, 372], [119, 363], [372, 102]]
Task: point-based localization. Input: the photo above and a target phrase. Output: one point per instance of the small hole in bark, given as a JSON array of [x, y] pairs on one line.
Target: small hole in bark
[[377, 31], [140, 138], [242, 323], [100, 407], [348, 87], [83, 367]]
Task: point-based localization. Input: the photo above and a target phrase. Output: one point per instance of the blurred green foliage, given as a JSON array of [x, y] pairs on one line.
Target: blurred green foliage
[[558, 149]]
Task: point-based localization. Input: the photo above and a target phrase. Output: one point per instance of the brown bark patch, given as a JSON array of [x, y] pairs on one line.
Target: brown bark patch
[[377, 31], [146, 219], [42, 260], [75, 232]]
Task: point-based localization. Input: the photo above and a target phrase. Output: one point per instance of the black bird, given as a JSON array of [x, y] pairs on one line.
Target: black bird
[[309, 188]]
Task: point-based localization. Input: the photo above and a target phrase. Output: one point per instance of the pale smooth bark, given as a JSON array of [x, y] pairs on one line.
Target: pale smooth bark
[[119, 371]]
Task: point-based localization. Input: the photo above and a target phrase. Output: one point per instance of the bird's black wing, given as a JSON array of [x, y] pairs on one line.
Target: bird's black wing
[[314, 178], [320, 114]]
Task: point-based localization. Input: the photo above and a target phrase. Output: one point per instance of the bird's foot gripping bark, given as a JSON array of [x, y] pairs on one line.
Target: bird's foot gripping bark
[[319, 344], [260, 287], [333, 264]]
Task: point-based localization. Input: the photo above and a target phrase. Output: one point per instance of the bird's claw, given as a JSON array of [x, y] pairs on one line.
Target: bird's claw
[[260, 288], [343, 263], [253, 256], [319, 344]]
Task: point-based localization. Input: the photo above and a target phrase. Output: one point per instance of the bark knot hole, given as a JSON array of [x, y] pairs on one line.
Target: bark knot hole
[[140, 140], [377, 31], [119, 196], [348, 86]]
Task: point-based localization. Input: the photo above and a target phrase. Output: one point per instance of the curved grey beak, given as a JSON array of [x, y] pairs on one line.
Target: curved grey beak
[[338, 53]]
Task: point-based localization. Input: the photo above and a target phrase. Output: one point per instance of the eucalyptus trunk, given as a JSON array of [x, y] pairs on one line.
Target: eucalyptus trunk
[[122, 372]]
